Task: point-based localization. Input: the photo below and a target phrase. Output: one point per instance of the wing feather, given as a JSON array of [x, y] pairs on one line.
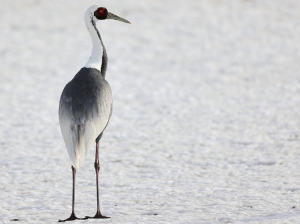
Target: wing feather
[[84, 112]]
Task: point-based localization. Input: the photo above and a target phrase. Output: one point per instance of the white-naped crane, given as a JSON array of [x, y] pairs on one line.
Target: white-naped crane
[[85, 104]]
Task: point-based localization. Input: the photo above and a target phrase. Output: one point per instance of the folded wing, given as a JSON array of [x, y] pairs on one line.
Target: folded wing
[[84, 112]]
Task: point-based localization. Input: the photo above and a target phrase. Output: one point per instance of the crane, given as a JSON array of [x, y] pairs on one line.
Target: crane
[[85, 105]]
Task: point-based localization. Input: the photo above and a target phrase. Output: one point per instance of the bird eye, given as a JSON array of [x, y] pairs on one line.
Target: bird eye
[[101, 13]]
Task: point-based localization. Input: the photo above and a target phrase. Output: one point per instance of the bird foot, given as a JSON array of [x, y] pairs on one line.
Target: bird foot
[[72, 218], [97, 216]]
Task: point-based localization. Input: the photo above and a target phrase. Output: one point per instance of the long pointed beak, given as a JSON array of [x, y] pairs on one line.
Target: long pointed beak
[[113, 16]]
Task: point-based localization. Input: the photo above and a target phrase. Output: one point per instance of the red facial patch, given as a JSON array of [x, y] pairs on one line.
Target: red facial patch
[[101, 13]]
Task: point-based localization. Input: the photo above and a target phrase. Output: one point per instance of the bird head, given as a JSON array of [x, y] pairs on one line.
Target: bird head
[[96, 13]]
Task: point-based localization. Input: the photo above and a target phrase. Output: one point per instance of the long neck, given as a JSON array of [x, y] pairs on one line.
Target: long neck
[[98, 59]]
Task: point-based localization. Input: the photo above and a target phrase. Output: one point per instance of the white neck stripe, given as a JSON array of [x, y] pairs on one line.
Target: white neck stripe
[[98, 59]]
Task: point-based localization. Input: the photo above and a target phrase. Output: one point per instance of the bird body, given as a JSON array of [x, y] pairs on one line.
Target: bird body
[[85, 105], [84, 111]]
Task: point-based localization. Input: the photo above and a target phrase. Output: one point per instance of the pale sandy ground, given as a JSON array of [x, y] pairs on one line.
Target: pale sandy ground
[[205, 127]]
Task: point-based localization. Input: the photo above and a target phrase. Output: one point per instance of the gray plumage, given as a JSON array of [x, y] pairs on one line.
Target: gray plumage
[[84, 111]]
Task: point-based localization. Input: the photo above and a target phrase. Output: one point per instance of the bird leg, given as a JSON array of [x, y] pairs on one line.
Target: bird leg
[[97, 168], [73, 216]]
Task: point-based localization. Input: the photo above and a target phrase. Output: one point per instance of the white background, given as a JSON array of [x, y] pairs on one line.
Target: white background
[[205, 126]]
